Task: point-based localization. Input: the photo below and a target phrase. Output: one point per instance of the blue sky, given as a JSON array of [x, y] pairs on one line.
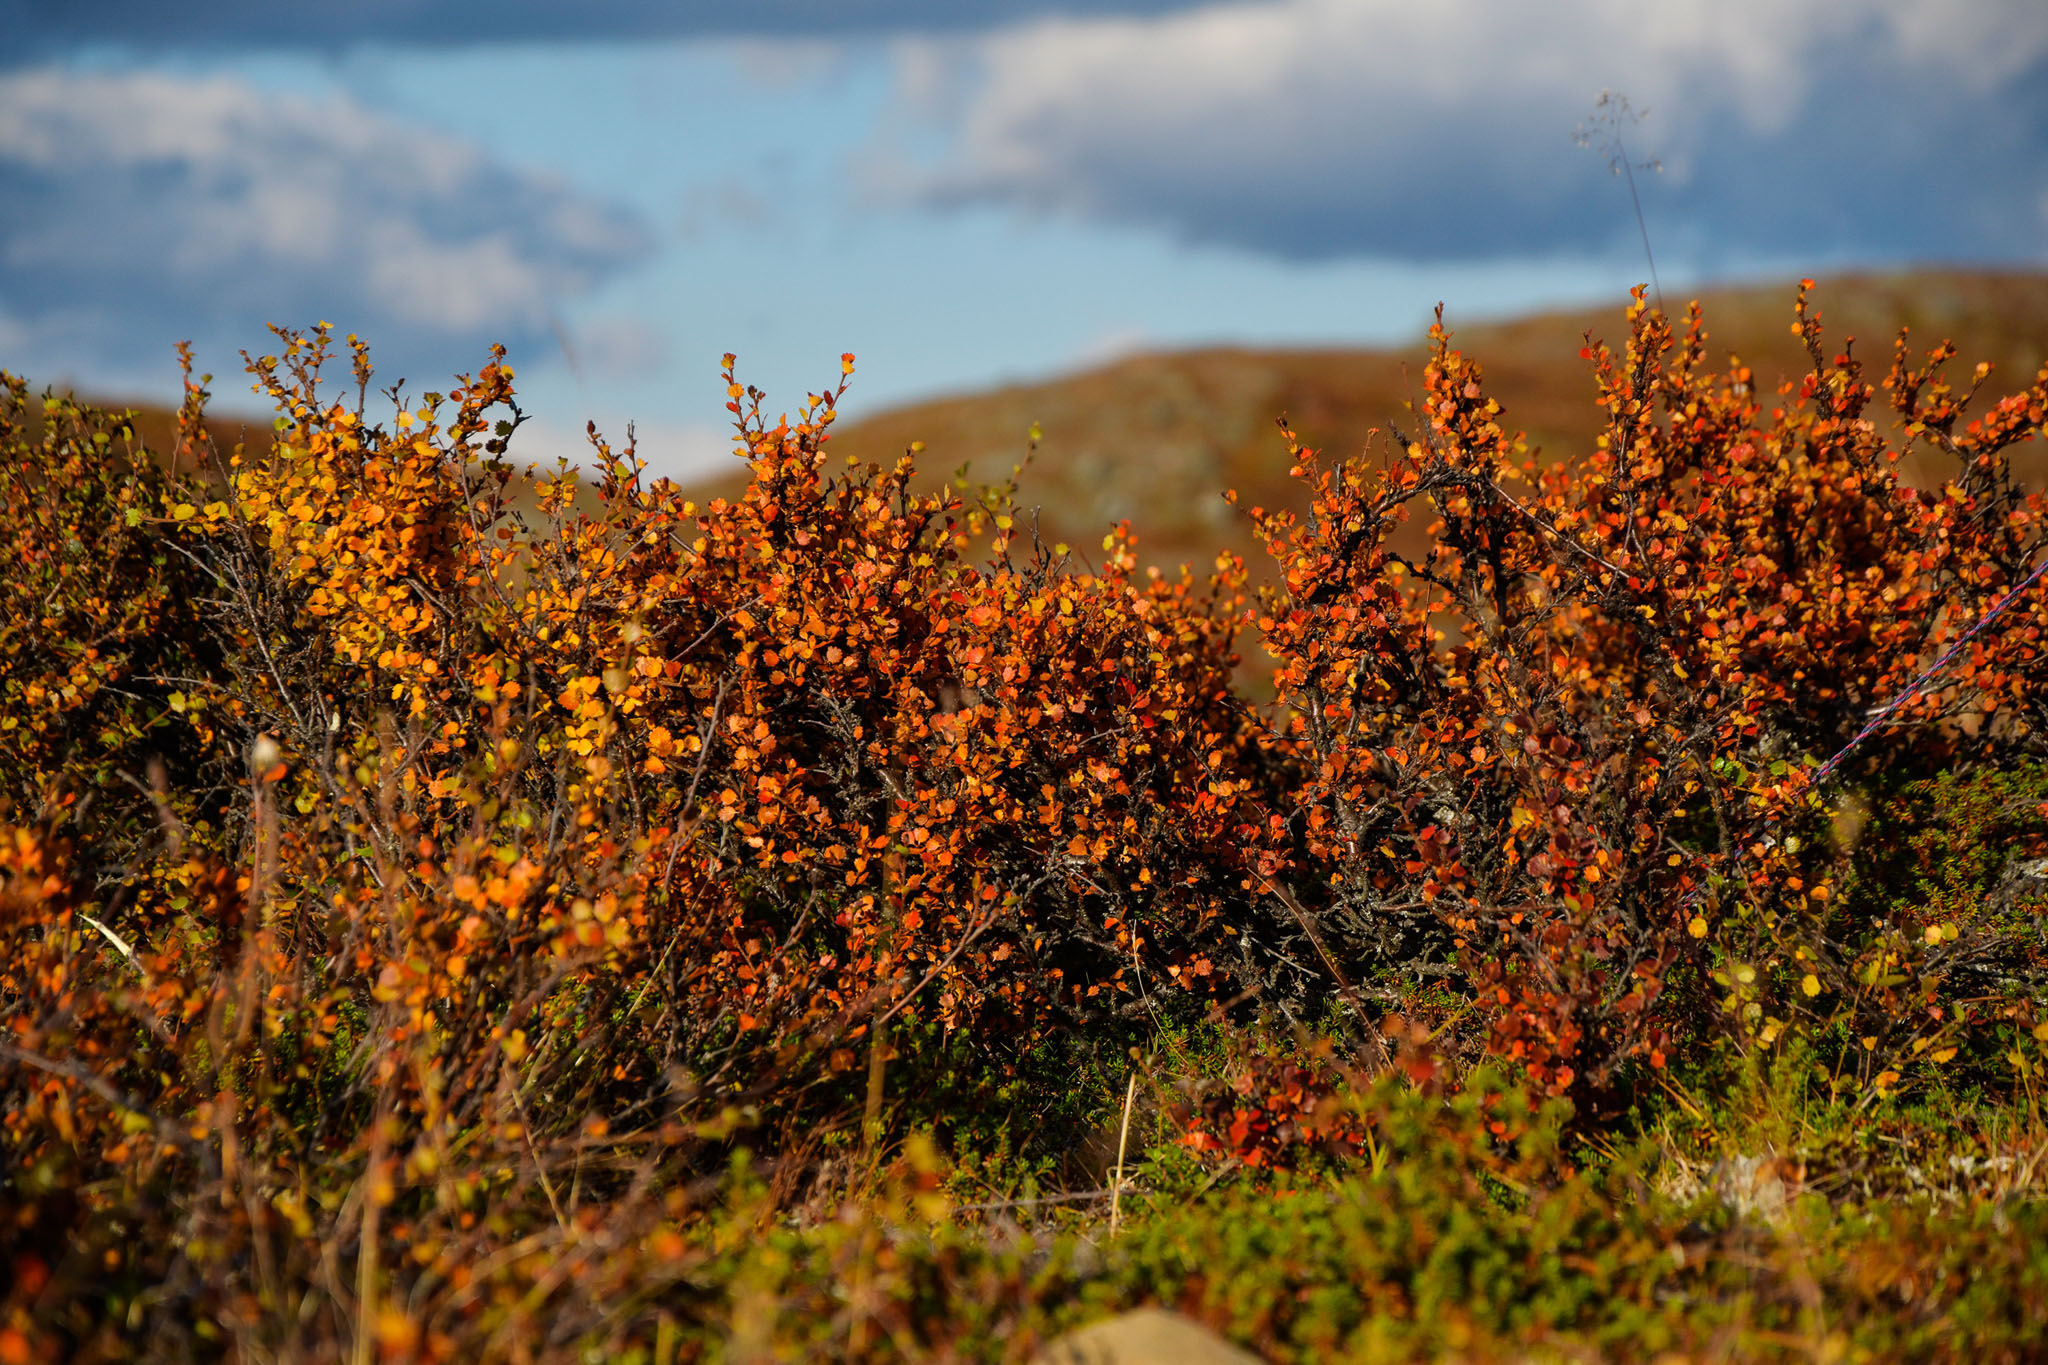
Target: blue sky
[[960, 193]]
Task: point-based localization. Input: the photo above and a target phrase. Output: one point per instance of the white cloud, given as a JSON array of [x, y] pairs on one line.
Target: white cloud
[[685, 452], [459, 286], [722, 202], [1442, 127], [138, 207], [1984, 43], [621, 347], [1112, 344]]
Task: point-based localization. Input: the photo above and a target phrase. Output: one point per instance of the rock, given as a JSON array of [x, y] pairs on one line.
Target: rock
[[1760, 1186], [1147, 1336], [2025, 880]]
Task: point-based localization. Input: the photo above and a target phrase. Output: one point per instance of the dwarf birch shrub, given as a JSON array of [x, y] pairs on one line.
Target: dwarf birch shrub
[[422, 879]]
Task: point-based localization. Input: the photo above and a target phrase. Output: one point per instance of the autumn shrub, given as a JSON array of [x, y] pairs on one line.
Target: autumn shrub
[[98, 627], [1566, 758], [570, 849], [438, 906]]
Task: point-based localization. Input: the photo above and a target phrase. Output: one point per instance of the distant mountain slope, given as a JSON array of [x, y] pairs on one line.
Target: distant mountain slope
[[156, 431], [1157, 438]]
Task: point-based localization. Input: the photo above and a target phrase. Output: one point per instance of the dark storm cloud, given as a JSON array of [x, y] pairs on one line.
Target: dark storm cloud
[[38, 29], [1313, 129]]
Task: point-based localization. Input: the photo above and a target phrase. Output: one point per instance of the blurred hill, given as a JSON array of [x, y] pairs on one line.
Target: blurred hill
[[156, 431], [1158, 437]]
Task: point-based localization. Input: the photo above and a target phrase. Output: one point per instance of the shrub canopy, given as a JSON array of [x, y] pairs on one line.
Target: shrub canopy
[[404, 852]]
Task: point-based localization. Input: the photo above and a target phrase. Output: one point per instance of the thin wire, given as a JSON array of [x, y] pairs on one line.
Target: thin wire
[[1878, 717], [1885, 712], [1882, 713], [1641, 226], [1919, 684]]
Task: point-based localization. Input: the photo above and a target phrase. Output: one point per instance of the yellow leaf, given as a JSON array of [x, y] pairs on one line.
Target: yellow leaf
[[1810, 984], [184, 511], [1698, 927]]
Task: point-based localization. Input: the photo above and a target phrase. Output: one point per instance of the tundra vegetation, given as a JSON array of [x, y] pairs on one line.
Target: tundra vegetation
[[444, 916]]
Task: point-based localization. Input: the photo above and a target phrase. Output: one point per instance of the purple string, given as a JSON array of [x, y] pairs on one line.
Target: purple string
[[1919, 684], [1911, 690]]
